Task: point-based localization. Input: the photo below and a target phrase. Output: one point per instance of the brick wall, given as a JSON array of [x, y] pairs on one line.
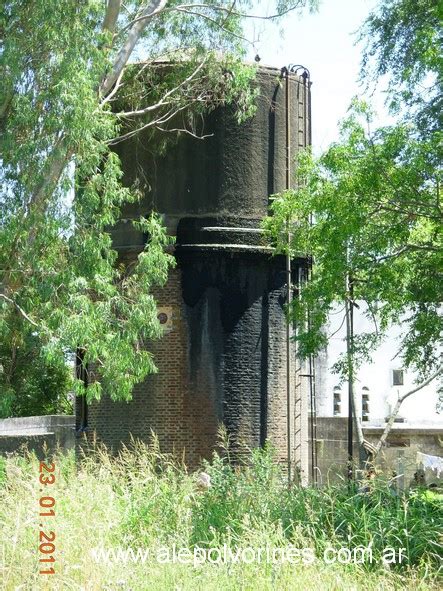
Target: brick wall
[[216, 365], [184, 421]]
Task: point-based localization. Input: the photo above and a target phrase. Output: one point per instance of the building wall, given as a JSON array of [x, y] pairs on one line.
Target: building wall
[[419, 427], [164, 402], [374, 379]]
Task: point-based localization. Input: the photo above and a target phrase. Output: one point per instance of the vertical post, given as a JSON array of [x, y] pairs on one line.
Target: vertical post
[[349, 352], [313, 420]]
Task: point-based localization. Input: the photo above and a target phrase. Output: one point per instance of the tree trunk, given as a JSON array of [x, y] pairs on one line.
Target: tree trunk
[[363, 455], [396, 410], [154, 7]]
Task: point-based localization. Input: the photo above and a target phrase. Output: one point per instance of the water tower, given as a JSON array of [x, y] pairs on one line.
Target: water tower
[[223, 356]]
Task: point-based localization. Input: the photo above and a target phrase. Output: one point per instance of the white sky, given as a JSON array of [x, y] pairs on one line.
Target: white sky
[[324, 42]]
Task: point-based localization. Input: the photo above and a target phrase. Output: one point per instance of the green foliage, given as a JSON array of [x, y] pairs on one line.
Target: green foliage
[[380, 519], [64, 101], [143, 499], [368, 210], [239, 498], [404, 40], [2, 470], [373, 200], [32, 385]]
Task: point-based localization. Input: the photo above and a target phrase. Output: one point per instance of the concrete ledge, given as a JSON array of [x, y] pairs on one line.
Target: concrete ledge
[[404, 428], [35, 425]]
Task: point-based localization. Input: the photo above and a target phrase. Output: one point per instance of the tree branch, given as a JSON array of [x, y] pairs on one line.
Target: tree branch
[[184, 130], [6, 103], [163, 101], [53, 169], [338, 329], [163, 119], [50, 176], [19, 309], [114, 90], [408, 248], [422, 385], [374, 318], [213, 21], [154, 8], [111, 16], [189, 7], [397, 406]]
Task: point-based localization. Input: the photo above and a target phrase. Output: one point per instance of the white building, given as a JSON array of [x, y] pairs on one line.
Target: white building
[[378, 384]]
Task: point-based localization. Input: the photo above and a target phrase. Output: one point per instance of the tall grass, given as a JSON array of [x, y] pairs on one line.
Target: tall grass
[[144, 499]]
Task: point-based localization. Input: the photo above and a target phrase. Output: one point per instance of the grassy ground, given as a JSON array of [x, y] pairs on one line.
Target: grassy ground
[[143, 500]]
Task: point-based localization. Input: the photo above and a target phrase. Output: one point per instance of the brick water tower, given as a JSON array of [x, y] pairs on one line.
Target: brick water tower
[[223, 358]]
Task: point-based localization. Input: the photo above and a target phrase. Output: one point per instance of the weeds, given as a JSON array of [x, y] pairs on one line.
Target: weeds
[[144, 499]]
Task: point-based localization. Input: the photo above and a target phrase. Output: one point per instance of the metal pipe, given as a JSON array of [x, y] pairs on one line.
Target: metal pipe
[[313, 420], [308, 142], [313, 413]]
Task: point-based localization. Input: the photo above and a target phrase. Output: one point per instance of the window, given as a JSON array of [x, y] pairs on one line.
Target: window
[[337, 401], [365, 404], [397, 377]]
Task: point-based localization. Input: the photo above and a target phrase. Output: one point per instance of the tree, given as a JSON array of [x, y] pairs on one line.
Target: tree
[[369, 212], [403, 40], [31, 384], [63, 64]]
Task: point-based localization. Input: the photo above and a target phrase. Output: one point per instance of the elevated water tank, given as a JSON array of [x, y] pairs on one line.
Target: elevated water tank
[[223, 355]]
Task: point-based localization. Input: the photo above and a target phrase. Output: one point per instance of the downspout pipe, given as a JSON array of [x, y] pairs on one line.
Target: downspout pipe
[[82, 374]]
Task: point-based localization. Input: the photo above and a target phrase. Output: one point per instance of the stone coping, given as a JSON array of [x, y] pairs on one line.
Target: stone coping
[[32, 426]]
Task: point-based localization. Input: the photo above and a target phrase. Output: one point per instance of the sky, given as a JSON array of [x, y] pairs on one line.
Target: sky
[[324, 42]]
